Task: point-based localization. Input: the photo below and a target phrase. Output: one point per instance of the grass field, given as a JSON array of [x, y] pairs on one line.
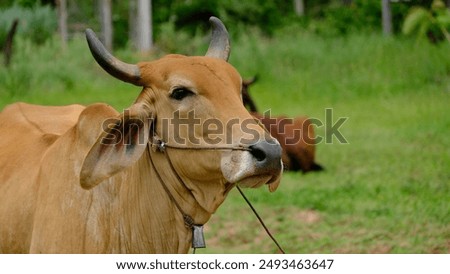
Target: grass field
[[386, 191]]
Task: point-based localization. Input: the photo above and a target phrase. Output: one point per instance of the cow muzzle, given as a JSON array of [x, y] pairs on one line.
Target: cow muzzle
[[267, 156], [260, 165]]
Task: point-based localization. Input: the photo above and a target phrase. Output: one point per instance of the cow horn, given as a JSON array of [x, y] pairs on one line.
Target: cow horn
[[219, 47], [122, 71]]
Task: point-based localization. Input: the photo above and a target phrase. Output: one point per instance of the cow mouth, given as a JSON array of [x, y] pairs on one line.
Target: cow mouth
[[256, 181], [241, 168]]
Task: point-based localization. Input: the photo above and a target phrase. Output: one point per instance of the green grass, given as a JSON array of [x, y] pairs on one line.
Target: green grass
[[387, 191]]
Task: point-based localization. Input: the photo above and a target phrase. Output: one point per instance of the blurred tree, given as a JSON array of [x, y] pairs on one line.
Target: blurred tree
[[106, 23], [132, 32], [328, 17], [386, 16], [62, 21], [141, 24], [299, 7]]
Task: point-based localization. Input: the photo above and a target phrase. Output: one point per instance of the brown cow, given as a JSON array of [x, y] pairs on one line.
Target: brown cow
[[296, 136], [78, 179]]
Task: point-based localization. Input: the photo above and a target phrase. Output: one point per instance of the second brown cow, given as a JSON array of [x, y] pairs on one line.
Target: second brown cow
[[296, 135]]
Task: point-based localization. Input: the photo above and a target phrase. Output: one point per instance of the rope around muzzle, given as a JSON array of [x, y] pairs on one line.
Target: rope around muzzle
[[197, 229], [161, 146]]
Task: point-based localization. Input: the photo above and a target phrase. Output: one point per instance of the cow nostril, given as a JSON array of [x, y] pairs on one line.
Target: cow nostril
[[259, 154]]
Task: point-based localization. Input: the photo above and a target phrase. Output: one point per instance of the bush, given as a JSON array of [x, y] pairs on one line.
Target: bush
[[36, 24], [268, 15], [433, 23], [172, 41], [360, 15], [45, 67]]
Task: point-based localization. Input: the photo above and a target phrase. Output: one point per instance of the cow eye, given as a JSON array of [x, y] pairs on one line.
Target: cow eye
[[180, 93]]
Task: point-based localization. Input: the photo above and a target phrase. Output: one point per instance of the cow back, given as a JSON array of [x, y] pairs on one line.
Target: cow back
[[27, 131]]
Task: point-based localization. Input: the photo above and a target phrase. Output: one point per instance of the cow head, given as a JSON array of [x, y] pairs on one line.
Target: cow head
[[191, 102]]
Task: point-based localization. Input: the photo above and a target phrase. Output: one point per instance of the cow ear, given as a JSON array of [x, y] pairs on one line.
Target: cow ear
[[122, 142]]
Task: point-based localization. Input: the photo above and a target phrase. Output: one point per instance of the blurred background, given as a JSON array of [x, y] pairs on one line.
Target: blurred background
[[382, 65]]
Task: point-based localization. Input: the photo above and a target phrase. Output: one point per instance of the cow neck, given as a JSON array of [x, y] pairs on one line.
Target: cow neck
[[198, 240], [157, 145]]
